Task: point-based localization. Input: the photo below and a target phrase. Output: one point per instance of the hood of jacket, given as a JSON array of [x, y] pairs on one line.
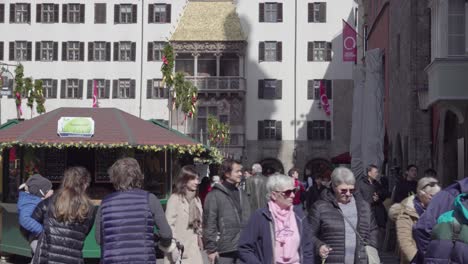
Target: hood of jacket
[[461, 206], [27, 198]]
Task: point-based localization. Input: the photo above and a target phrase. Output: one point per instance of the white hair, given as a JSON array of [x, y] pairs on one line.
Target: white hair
[[256, 168], [342, 175], [424, 186], [277, 182]]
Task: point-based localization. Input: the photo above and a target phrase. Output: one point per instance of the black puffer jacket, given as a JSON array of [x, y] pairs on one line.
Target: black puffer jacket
[[328, 227], [222, 217], [60, 243]]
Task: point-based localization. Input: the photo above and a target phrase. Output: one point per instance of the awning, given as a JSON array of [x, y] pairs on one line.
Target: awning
[[343, 158]]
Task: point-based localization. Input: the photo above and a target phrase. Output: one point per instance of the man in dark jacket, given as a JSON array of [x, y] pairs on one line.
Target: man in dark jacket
[[407, 186], [226, 212], [440, 203]]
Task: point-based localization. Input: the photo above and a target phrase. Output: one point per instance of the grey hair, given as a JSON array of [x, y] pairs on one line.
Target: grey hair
[[276, 182], [423, 186], [256, 168], [342, 175]]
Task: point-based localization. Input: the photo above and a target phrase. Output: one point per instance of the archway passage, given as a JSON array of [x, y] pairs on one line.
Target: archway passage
[[317, 167], [450, 148], [271, 165]]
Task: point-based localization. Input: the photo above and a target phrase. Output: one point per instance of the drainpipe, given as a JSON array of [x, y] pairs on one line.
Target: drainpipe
[[295, 78], [141, 55]]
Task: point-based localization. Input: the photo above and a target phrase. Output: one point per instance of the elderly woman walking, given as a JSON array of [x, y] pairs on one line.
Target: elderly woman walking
[[184, 215], [335, 219], [278, 233]]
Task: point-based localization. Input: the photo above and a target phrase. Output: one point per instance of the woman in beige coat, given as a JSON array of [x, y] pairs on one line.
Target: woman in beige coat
[[407, 214], [184, 215]]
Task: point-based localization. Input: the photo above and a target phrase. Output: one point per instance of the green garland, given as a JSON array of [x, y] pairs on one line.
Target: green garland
[[218, 133], [168, 65], [39, 96]]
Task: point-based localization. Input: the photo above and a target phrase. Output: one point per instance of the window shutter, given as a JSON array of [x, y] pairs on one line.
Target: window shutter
[[133, 51], [261, 87], [90, 89], [56, 13], [279, 89], [260, 130], [151, 13], [54, 88], [310, 89], [261, 51], [323, 12], [310, 51], [1, 50], [82, 13], [329, 88], [328, 130], [12, 13], [28, 13], [107, 89], [55, 55], [134, 13], [80, 89], [38, 51], [10, 88], [29, 51], [329, 51], [2, 13], [150, 51], [38, 13], [309, 130], [310, 12], [279, 133], [90, 51], [116, 51], [279, 51], [82, 51], [12, 51], [279, 15], [168, 13], [108, 51], [149, 84], [100, 13], [116, 14], [115, 86], [261, 12], [64, 13], [63, 87], [64, 51], [132, 89]]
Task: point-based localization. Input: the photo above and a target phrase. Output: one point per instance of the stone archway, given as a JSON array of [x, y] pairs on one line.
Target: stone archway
[[271, 165]]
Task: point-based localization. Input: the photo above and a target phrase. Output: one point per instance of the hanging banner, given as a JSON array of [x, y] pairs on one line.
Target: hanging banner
[[95, 94], [324, 98], [349, 43]]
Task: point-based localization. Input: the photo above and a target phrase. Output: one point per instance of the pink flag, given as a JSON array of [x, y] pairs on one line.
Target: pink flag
[[324, 98], [349, 43], [95, 94]]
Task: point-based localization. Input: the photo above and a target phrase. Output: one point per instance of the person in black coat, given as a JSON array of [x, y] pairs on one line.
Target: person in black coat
[[331, 218], [406, 186], [321, 183]]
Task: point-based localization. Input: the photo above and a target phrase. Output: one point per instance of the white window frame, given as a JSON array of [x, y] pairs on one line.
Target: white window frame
[[270, 126], [21, 50], [99, 51], [48, 87], [47, 13], [270, 51], [123, 90], [157, 89], [125, 51], [47, 51], [73, 88], [321, 127], [320, 50], [457, 19], [101, 88], [158, 48], [316, 12], [125, 14], [73, 51], [160, 13], [271, 12], [73, 13], [21, 13]]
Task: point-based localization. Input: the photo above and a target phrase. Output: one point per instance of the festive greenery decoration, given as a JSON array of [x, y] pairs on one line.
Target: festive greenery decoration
[[32, 90], [19, 88], [168, 65], [218, 132], [39, 96]]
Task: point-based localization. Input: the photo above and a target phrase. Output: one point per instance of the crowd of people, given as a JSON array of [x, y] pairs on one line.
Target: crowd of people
[[244, 216]]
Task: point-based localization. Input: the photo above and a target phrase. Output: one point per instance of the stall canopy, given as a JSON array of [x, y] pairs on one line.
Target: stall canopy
[[343, 158]]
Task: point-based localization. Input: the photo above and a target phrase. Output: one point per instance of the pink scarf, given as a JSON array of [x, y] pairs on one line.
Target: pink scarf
[[286, 234]]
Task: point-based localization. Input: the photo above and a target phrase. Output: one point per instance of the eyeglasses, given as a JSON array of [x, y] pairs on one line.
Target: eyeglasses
[[345, 191], [287, 193], [431, 184]]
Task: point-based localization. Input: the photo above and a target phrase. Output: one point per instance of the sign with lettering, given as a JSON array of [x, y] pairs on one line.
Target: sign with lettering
[[75, 127]]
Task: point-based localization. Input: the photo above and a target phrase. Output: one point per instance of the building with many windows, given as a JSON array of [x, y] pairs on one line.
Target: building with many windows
[[259, 66]]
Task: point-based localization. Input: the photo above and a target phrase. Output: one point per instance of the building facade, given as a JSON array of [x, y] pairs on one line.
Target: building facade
[[258, 66]]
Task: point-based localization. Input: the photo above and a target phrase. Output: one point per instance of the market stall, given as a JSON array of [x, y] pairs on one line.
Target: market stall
[[93, 138]]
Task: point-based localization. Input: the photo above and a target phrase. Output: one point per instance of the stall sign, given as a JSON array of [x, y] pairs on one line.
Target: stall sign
[[75, 127]]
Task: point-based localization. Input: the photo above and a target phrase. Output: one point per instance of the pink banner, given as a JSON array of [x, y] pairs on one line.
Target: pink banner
[[349, 43], [324, 98], [95, 94]]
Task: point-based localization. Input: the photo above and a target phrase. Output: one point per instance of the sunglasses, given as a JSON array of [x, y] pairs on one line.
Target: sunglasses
[[345, 191], [431, 184], [287, 193]]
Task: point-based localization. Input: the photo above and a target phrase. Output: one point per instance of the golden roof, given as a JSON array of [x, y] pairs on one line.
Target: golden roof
[[209, 21]]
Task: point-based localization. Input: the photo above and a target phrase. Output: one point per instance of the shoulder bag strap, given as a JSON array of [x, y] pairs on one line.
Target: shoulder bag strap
[[354, 228]]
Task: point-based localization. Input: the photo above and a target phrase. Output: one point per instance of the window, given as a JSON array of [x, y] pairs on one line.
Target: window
[[50, 88], [99, 51], [156, 89], [100, 13], [270, 89], [20, 13], [46, 51], [313, 89], [317, 12], [159, 13], [20, 51], [123, 89], [124, 51], [269, 129], [271, 12], [125, 14], [47, 13], [103, 88], [2, 13], [73, 51], [71, 89], [319, 130], [155, 51], [270, 51], [319, 51], [456, 27], [73, 13], [1, 51]]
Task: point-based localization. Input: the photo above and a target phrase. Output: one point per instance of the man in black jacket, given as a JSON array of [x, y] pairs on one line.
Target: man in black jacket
[[226, 212]]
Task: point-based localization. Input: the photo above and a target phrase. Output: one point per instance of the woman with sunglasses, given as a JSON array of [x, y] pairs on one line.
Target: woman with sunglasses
[[335, 219], [407, 213], [278, 233]]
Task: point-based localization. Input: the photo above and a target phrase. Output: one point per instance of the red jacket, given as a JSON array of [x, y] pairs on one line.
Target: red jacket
[[300, 189]]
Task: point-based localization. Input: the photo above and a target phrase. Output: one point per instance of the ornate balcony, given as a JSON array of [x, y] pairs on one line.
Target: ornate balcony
[[219, 84]]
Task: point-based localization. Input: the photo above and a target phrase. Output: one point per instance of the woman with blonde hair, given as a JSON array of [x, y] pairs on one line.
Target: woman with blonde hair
[[184, 215], [67, 218]]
